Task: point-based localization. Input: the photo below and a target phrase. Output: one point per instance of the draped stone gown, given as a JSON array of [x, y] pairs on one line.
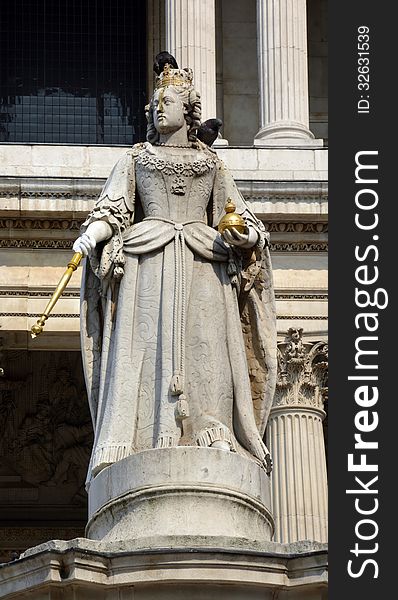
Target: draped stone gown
[[164, 352]]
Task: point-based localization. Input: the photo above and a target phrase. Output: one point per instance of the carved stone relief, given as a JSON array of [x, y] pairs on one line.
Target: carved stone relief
[[45, 429], [45, 443]]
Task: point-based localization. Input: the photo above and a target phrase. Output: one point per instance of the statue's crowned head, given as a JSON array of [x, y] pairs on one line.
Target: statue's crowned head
[[174, 103]]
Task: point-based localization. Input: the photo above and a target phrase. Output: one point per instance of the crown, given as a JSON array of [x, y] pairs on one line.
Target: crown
[[176, 77]]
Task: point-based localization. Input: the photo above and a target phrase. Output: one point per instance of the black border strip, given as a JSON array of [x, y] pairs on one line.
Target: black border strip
[[351, 132]]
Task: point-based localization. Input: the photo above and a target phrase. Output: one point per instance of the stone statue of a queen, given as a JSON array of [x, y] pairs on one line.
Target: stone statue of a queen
[[178, 321]]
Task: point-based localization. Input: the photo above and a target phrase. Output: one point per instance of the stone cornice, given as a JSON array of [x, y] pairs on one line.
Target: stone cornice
[[301, 295], [283, 190], [40, 224], [75, 294], [28, 293], [32, 244], [296, 227], [74, 197], [50, 187], [46, 244], [43, 224], [302, 317], [70, 316], [299, 247], [59, 233], [33, 315], [272, 567]]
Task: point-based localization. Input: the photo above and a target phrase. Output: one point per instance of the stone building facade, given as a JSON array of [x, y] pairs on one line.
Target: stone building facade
[[261, 68]]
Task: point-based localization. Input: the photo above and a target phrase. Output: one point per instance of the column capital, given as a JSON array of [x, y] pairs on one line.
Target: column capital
[[302, 373]]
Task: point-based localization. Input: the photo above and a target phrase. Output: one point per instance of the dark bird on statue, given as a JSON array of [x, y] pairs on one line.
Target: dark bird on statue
[[161, 60], [208, 131]]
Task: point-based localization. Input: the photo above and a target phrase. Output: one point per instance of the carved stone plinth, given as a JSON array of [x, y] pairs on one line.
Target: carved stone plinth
[[83, 569], [296, 443], [184, 491]]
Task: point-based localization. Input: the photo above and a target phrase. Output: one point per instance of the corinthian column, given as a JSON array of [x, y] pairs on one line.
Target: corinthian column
[[295, 440], [191, 38], [283, 74]]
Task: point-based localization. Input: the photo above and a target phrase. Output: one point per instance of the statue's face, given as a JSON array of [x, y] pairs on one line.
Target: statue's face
[[168, 111]]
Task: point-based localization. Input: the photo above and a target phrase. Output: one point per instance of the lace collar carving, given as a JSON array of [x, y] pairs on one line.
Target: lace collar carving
[[149, 159]]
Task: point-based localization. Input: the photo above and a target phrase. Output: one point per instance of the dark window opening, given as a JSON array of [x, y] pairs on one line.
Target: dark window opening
[[72, 71]]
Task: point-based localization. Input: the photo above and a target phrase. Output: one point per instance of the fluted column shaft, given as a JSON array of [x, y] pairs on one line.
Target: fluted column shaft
[[191, 38], [283, 73], [295, 440], [298, 480]]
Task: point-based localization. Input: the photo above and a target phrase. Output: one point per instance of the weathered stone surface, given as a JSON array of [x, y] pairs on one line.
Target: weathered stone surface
[[195, 491], [179, 568]]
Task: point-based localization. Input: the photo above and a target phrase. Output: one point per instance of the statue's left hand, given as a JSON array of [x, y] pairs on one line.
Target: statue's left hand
[[242, 240]]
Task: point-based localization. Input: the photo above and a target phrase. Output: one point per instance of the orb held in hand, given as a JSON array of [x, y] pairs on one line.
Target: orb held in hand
[[231, 220]]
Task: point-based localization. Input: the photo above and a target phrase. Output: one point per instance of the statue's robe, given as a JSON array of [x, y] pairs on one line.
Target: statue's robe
[[178, 328]]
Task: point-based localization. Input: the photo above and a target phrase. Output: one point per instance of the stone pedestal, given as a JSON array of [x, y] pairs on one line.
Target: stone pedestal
[[295, 440], [83, 569], [172, 524], [283, 74], [184, 491]]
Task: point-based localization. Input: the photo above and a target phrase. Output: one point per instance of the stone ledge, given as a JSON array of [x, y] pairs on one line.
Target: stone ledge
[[249, 571], [74, 197], [178, 543], [41, 160]]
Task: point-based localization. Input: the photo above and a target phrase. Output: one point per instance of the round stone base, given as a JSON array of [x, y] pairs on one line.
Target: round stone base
[[184, 491]]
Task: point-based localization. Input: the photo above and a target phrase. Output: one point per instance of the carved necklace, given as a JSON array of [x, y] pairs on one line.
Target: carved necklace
[[169, 167], [178, 170], [189, 145]]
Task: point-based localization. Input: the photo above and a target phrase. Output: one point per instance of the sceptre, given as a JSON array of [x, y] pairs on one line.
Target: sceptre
[[230, 220], [63, 282]]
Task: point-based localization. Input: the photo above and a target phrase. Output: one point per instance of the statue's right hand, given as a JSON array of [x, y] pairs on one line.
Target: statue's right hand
[[84, 244]]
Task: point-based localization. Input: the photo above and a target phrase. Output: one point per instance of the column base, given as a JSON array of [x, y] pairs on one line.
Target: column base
[[220, 143], [188, 491], [286, 134]]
